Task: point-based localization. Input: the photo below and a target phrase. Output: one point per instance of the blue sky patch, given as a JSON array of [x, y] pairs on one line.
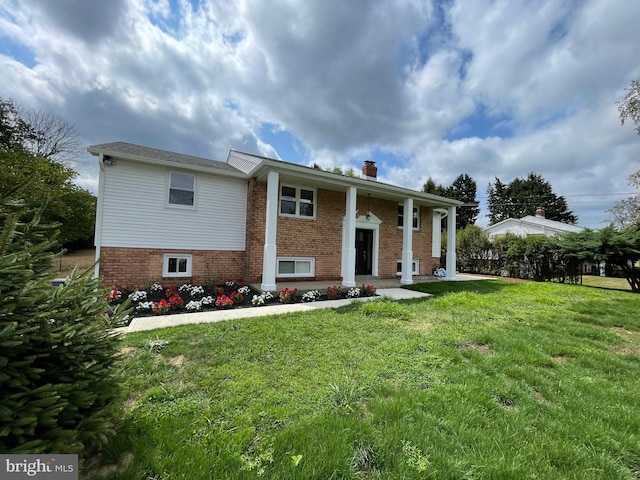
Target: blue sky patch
[[288, 147], [18, 52], [481, 125]]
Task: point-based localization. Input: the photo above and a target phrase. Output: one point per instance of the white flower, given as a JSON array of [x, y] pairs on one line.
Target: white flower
[[353, 292], [138, 296], [311, 296], [144, 306], [196, 290], [260, 299], [257, 300], [230, 284], [207, 300], [244, 290], [156, 287], [184, 288], [193, 306]]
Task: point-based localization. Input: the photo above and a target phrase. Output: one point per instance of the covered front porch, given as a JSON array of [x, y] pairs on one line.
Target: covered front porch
[[356, 219]]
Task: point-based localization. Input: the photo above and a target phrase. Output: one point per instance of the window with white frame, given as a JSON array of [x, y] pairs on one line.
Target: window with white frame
[[297, 202], [182, 187], [177, 265], [296, 267], [415, 218], [415, 267]]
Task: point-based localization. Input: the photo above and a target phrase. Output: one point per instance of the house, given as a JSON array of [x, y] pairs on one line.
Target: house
[[165, 216], [531, 225], [539, 225]]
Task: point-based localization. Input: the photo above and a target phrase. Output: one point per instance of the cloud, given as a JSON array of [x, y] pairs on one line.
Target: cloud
[[408, 82]]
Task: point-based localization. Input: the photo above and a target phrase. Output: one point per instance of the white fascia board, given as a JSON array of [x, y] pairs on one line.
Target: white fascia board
[[165, 163], [329, 180]]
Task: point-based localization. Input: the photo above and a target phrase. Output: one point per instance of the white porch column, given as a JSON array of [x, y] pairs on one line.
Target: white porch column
[[436, 235], [407, 243], [270, 230], [451, 243], [349, 240]]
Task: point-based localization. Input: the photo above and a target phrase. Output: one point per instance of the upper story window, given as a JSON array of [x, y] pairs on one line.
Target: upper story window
[[182, 189], [415, 218], [297, 202]]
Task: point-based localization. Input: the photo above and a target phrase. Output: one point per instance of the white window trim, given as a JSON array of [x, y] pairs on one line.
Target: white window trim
[[415, 266], [417, 209], [165, 265], [312, 260], [177, 205], [298, 201]]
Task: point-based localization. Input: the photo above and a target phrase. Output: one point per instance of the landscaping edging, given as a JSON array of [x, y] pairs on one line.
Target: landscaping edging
[[139, 324]]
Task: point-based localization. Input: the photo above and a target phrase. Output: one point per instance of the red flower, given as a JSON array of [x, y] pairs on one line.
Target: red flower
[[171, 291]]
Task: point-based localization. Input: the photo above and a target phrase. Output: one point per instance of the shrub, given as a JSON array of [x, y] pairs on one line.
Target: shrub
[[59, 390]]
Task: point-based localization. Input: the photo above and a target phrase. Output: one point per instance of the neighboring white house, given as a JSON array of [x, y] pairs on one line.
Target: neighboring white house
[[531, 225]]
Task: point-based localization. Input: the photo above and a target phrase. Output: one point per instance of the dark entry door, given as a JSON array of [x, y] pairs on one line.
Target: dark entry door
[[364, 251]]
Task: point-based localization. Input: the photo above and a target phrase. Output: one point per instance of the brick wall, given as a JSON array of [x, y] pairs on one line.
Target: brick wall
[[137, 267], [322, 238]]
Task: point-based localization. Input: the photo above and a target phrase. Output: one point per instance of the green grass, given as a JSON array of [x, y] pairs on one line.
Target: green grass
[[606, 282], [486, 380]]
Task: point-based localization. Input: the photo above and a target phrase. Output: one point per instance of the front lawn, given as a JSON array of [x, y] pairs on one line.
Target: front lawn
[[486, 380]]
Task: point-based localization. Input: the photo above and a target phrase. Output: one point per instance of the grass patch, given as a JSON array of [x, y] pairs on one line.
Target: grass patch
[[486, 380], [606, 282]]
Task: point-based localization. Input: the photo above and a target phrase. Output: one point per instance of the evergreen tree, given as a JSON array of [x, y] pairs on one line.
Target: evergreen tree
[[59, 392], [523, 197], [464, 189], [433, 188]]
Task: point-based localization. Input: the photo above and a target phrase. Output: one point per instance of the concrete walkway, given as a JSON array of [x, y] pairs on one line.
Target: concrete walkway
[[140, 324]]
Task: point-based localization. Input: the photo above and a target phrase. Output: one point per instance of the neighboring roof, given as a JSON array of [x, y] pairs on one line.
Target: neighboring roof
[[156, 156], [535, 223]]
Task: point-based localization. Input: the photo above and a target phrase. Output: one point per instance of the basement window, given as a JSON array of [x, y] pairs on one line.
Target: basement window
[[296, 267], [177, 265], [415, 267]]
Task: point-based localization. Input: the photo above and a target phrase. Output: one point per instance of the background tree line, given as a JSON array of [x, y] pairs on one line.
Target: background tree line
[[37, 151]]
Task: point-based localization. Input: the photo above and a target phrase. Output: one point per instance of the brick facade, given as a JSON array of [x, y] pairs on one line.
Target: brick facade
[[320, 238], [136, 267]]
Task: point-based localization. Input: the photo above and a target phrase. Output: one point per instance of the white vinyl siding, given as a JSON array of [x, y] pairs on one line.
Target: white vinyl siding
[[136, 213]]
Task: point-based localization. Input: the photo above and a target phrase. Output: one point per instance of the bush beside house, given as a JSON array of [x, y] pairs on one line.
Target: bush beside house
[[59, 391]]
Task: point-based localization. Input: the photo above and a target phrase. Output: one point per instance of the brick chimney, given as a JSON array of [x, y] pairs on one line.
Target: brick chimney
[[540, 212], [369, 170]]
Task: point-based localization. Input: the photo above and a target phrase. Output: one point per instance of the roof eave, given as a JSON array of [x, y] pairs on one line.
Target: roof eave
[[164, 163], [268, 164]]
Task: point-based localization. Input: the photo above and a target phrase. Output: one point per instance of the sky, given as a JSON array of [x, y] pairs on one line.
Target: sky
[[490, 88]]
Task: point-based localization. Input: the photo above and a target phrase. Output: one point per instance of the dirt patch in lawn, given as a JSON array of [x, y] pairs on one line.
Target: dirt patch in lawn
[[478, 347], [631, 344]]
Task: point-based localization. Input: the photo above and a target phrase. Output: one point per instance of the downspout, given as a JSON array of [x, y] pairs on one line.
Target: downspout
[[97, 237]]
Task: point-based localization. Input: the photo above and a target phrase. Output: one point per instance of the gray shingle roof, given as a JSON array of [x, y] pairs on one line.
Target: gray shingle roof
[[138, 152]]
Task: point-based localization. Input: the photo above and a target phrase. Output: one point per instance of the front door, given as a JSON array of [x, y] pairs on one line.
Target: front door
[[364, 251]]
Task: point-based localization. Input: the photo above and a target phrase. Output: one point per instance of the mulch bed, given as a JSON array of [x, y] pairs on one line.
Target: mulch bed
[[176, 299]]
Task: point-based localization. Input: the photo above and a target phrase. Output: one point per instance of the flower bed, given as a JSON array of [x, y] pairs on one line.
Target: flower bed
[[166, 300]]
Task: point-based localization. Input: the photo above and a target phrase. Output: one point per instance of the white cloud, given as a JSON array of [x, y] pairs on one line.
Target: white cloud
[[348, 80]]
